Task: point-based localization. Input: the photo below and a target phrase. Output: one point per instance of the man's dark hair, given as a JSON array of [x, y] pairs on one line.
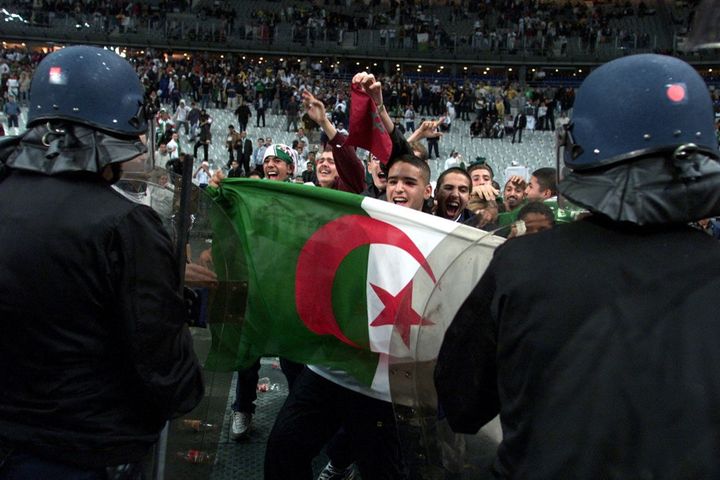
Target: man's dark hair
[[547, 179], [414, 161], [537, 207], [459, 170], [481, 166]]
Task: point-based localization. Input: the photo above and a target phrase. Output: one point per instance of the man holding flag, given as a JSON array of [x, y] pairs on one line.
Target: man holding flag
[[326, 399], [308, 307]]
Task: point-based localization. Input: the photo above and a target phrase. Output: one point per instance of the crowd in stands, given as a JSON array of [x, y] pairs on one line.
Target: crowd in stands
[[494, 25], [249, 90]]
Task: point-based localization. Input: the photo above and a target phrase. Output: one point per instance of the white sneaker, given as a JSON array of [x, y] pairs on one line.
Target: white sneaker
[[240, 425], [332, 473]]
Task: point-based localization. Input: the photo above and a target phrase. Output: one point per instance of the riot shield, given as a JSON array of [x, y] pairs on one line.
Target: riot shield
[[190, 450], [431, 449]]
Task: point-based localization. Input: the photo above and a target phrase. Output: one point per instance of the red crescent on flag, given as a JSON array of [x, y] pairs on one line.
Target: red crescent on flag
[[322, 255]]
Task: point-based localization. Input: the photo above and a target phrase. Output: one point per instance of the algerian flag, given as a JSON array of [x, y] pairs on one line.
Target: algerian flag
[[335, 279]]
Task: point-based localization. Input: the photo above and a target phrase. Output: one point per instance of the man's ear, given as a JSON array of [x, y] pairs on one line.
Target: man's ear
[[428, 191]]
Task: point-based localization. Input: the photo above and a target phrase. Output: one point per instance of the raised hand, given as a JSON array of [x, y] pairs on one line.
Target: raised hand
[[315, 108], [370, 86]]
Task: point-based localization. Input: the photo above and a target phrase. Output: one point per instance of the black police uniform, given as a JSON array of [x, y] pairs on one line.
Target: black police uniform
[[596, 342], [94, 349], [574, 348]]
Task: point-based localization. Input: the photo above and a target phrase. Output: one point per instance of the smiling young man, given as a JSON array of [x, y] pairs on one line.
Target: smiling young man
[[408, 182], [513, 194], [452, 195], [325, 170], [278, 162], [278, 165]]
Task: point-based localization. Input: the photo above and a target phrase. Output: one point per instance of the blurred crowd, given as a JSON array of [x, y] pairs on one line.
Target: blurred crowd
[[509, 26]]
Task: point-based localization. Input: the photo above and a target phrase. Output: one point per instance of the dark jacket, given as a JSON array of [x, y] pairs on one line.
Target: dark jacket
[[597, 345], [94, 349], [245, 148]]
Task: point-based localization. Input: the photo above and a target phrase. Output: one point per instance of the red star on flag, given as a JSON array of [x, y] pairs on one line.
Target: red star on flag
[[398, 311]]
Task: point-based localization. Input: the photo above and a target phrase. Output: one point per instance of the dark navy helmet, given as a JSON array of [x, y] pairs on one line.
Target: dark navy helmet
[[90, 86], [640, 146], [638, 106]]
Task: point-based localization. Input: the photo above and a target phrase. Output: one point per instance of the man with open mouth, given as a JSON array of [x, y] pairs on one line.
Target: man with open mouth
[[452, 194]]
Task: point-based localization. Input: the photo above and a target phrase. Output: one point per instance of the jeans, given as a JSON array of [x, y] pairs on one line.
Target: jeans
[[246, 386], [246, 389], [313, 413]]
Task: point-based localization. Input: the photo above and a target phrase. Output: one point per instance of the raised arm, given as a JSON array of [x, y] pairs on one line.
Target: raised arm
[[350, 169]]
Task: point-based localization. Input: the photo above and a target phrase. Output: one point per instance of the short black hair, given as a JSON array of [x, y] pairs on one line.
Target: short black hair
[[459, 170], [547, 179], [414, 161], [537, 207]]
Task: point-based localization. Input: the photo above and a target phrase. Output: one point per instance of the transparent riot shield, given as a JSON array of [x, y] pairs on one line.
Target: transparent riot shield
[[190, 448], [431, 449]]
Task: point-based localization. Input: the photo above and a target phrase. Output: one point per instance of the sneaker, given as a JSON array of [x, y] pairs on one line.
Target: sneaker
[[332, 473], [240, 427]]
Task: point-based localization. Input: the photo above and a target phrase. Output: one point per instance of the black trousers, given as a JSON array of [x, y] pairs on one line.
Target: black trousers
[[244, 161], [433, 146], [518, 131], [260, 114], [314, 412], [246, 387], [204, 146]]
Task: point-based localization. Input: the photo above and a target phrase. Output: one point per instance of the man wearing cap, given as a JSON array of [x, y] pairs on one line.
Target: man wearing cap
[[279, 162], [279, 165]]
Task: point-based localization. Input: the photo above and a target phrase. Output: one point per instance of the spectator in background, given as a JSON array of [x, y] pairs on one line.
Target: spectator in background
[[513, 193], [205, 136], [243, 114], [410, 118], [536, 217], [519, 125], [292, 112], [203, 175], [12, 113], [180, 117]]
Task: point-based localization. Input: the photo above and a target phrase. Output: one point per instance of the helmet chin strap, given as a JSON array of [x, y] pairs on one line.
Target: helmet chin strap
[[61, 148]]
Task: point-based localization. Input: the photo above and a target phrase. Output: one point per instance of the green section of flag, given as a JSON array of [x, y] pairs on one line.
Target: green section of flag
[[347, 308], [566, 214], [258, 249]]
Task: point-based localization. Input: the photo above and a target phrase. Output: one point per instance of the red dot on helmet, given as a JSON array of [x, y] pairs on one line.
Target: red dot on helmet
[[676, 92]]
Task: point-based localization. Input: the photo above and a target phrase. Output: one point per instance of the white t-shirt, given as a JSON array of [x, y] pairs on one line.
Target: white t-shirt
[[173, 149]]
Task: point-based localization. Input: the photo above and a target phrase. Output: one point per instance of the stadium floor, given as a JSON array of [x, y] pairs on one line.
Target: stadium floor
[[199, 444]]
